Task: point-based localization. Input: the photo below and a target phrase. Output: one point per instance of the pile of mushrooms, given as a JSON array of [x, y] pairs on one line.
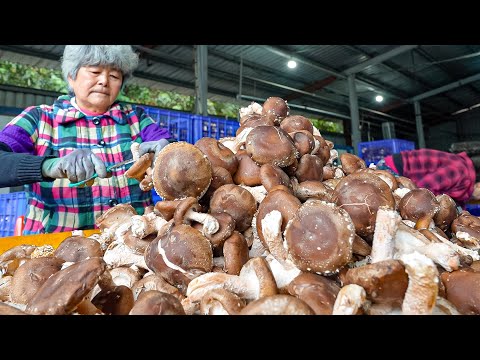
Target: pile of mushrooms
[[266, 222]]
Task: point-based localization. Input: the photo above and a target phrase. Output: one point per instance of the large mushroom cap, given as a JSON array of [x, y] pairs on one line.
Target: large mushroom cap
[[361, 194], [417, 204], [181, 170], [320, 237], [276, 109], [218, 154], [296, 122], [271, 145]]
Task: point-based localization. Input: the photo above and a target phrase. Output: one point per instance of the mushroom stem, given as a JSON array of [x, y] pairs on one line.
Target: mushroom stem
[[271, 229], [422, 287], [119, 254], [144, 225], [210, 224], [258, 192], [349, 300], [386, 225]]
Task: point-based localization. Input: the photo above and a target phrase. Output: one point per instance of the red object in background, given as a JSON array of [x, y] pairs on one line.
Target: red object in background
[[19, 225]]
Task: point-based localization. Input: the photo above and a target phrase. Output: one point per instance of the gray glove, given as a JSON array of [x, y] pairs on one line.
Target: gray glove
[[152, 146], [76, 166]]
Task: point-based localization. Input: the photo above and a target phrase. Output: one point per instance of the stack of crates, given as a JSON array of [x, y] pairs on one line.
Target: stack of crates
[[12, 205], [189, 127], [374, 151]]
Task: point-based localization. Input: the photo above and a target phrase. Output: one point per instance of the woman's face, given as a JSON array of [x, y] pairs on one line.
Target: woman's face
[[96, 87]]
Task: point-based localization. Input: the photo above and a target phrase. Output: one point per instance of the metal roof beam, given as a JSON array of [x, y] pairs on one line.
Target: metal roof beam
[[379, 59], [447, 87]]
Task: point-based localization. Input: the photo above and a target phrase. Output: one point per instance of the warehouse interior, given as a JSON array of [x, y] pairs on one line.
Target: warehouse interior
[[430, 93]]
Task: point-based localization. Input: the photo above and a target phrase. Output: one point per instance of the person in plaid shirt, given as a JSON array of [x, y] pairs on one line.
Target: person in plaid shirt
[[48, 146], [440, 172]]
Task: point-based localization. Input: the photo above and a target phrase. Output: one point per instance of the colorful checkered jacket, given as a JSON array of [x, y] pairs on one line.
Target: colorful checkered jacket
[[440, 172], [57, 130]]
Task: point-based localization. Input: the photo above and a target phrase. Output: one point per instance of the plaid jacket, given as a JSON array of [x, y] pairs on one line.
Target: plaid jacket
[[60, 129], [441, 172]]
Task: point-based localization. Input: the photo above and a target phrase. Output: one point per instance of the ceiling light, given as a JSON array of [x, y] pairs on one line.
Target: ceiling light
[[379, 98], [292, 64]]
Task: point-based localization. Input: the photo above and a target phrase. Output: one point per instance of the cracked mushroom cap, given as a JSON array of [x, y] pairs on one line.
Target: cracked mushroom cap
[[179, 254], [275, 109], [65, 289], [218, 154], [283, 201], [180, 170], [317, 291], [296, 123], [78, 248], [462, 289], [320, 237], [30, 276], [361, 194], [114, 217], [235, 201], [419, 205], [385, 282], [271, 145], [278, 305], [154, 302]]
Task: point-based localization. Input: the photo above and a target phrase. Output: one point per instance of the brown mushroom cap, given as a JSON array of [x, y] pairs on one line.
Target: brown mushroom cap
[[317, 291], [272, 175], [184, 247], [226, 227], [248, 172], [115, 216], [166, 208], [235, 252], [310, 168], [361, 194], [221, 302], [462, 289], [446, 213], [418, 204], [277, 305], [181, 170], [220, 177], [313, 189], [384, 281], [404, 182], [78, 248], [235, 201], [280, 200], [320, 237], [154, 302], [136, 244], [30, 276], [304, 141], [323, 151], [351, 163], [296, 123], [117, 300], [65, 289], [271, 145], [17, 252], [218, 154], [155, 282], [275, 109], [468, 223], [139, 168]]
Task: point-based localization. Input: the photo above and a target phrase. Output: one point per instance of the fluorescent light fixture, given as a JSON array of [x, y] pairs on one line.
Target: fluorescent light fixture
[[292, 64], [379, 98]]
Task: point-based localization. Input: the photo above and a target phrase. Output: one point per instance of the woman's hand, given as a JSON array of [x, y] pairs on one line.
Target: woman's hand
[[152, 146], [76, 166]]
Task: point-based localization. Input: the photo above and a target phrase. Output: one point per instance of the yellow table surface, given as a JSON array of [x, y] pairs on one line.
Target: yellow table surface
[[53, 239]]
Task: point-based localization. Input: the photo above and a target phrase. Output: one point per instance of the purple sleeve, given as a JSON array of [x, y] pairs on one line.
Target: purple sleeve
[[154, 132], [17, 139]]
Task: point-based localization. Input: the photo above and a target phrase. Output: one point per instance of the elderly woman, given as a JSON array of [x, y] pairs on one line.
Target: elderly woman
[[49, 146]]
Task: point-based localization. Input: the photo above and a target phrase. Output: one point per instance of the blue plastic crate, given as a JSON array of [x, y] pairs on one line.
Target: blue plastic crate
[[217, 128], [188, 127], [473, 208], [374, 151], [12, 206]]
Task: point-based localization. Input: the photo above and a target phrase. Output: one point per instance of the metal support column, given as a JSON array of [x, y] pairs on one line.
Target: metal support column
[[418, 120], [201, 79], [355, 118]]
